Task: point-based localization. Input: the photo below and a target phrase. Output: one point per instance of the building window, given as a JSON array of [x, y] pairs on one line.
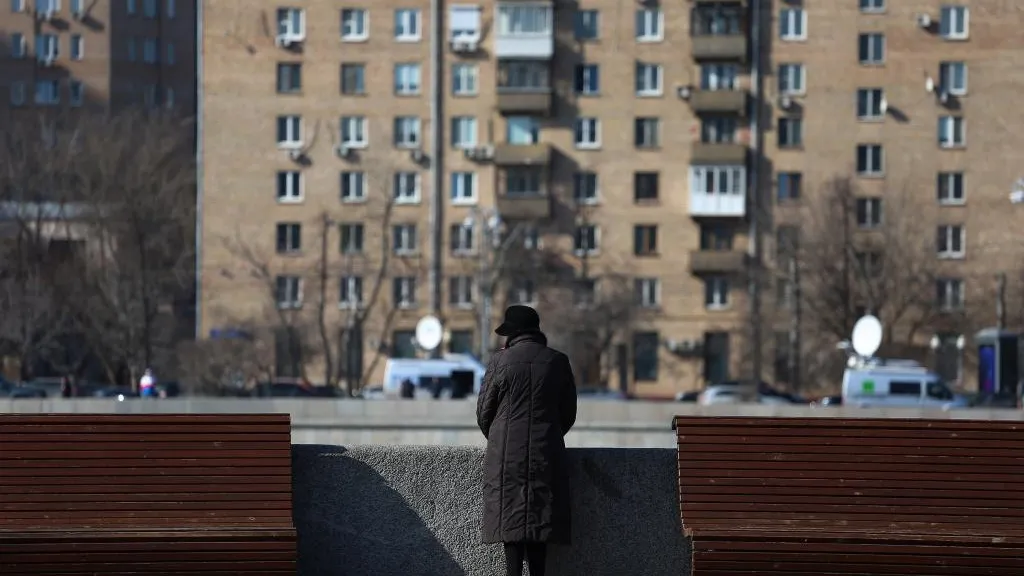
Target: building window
[[869, 263], [289, 186], [76, 92], [352, 236], [350, 292], [588, 133], [717, 180], [649, 24], [587, 79], [289, 77], [150, 51], [953, 78], [950, 294], [791, 132], [461, 342], [169, 98], [716, 238], [718, 76], [789, 186], [354, 24], [872, 5], [464, 132], [149, 96], [47, 47], [465, 79], [793, 24], [718, 129], [460, 291], [47, 92], [407, 25], [403, 344], [77, 47], [871, 48], [403, 292], [353, 131], [407, 79], [291, 24], [407, 188], [523, 181], [792, 79], [464, 23], [716, 292], [525, 76], [950, 188], [523, 292], [587, 25], [870, 160], [172, 9], [19, 45], [584, 189], [404, 239], [463, 188], [954, 22], [869, 103], [17, 93], [353, 79], [646, 292], [869, 212], [646, 132], [648, 79], [460, 238], [645, 186], [524, 20], [288, 291], [170, 57], [645, 356], [951, 132], [289, 238], [353, 186], [131, 44], [645, 240], [289, 131], [586, 240], [149, 8], [950, 241], [17, 6], [522, 130]]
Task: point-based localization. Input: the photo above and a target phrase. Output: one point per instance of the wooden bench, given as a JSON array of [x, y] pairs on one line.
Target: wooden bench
[[814, 496], [163, 495]]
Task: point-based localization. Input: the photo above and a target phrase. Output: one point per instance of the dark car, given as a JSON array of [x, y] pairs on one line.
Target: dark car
[[10, 389], [293, 389]]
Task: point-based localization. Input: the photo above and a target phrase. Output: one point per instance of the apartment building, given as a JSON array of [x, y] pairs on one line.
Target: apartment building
[[73, 53]]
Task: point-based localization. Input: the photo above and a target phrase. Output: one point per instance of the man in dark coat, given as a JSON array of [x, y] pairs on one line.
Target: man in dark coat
[[526, 405]]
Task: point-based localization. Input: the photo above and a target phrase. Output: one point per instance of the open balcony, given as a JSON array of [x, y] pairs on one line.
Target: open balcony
[[719, 31], [718, 191], [718, 153], [524, 193], [719, 101], [524, 87], [717, 261], [522, 154]]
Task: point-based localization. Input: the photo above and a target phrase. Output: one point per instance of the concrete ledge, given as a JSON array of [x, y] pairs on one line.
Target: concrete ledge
[[410, 511]]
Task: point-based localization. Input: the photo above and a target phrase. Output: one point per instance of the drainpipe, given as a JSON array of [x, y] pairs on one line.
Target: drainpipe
[[436, 220], [199, 7], [754, 248]]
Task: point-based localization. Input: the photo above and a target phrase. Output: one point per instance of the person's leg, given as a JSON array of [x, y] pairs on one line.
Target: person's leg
[[537, 556], [515, 553]]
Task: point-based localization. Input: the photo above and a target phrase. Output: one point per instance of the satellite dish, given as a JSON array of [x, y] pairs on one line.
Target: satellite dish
[[429, 332], [867, 336]]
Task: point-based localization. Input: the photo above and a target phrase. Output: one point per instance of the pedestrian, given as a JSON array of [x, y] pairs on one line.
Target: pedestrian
[[147, 384], [407, 389], [526, 406]]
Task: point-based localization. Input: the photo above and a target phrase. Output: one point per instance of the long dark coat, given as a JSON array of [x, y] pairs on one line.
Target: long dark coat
[[527, 404]]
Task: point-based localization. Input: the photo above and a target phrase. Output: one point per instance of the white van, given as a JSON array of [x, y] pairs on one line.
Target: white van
[[423, 371], [896, 386]]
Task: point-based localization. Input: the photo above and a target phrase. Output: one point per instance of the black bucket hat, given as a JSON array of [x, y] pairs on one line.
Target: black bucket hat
[[519, 319]]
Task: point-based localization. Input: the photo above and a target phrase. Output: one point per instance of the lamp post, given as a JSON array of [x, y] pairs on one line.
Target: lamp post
[[491, 226]]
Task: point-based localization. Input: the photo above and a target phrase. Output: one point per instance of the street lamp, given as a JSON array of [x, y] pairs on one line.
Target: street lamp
[[491, 228]]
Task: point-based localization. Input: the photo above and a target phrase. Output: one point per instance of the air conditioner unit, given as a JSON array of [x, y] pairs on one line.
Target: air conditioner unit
[[296, 154], [684, 92], [462, 45], [485, 152], [286, 41], [929, 84], [924, 21], [343, 151], [417, 155], [943, 97], [785, 101]]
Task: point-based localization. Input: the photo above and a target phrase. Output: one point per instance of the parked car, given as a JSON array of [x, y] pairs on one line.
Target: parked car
[[10, 389], [691, 396], [293, 388], [728, 392]]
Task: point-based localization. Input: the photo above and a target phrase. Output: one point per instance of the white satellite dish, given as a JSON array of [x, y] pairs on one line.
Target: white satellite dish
[[429, 332], [867, 336]]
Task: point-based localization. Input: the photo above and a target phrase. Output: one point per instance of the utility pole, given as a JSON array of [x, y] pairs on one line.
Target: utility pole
[[1001, 300], [755, 250], [794, 326], [486, 292], [436, 271]]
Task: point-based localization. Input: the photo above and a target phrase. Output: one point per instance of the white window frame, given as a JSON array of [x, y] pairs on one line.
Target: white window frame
[[792, 128], [292, 237], [465, 79], [647, 292], [76, 92], [589, 76], [955, 22], [539, 17], [357, 240], [404, 292], [952, 132], [950, 234], [523, 181], [294, 186], [463, 239], [350, 292], [150, 9], [408, 79], [406, 187], [463, 190], [408, 133], [872, 59], [457, 15], [872, 6], [951, 298], [355, 24], [527, 125], [130, 7], [16, 93], [587, 133], [793, 24], [649, 79], [170, 54], [47, 92], [732, 178], [589, 182], [650, 128], [650, 25], [47, 47], [871, 171], [76, 7], [408, 25], [408, 234], [172, 9], [718, 76], [44, 6], [792, 78], [586, 248], [947, 184], [873, 97], [17, 6], [464, 132], [76, 46], [587, 19], [461, 290], [874, 213], [19, 45], [292, 124], [947, 78], [717, 288], [355, 180], [292, 287], [291, 24], [354, 132]]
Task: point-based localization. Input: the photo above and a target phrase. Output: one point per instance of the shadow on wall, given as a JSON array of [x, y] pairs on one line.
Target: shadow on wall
[[415, 511]]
